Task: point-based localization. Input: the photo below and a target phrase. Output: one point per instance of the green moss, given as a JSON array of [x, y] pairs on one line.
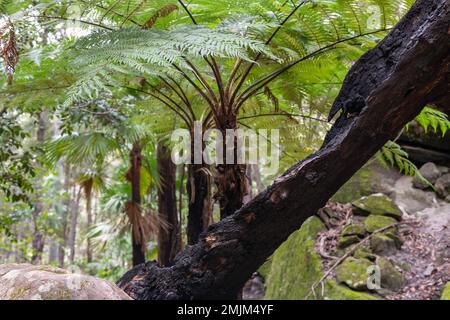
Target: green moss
[[264, 270], [353, 272], [295, 264], [358, 186], [376, 204], [335, 291], [382, 244], [354, 229], [375, 222], [344, 242], [446, 292]]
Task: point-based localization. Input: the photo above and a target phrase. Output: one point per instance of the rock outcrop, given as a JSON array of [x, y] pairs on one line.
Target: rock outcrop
[[40, 282]]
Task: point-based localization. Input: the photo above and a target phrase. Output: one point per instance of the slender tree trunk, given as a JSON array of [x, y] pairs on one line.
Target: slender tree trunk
[[402, 74], [38, 237], [134, 208], [74, 213], [88, 193], [169, 233]]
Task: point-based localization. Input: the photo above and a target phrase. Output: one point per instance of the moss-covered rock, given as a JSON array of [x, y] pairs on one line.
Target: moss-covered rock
[[264, 270], [376, 204], [334, 291], [31, 282], [364, 253], [446, 292], [354, 229], [345, 241], [296, 266], [391, 278], [375, 222], [353, 272], [382, 244]]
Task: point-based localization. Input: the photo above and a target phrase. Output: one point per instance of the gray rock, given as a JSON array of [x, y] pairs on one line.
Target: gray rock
[[391, 278], [442, 185], [382, 244], [410, 199], [40, 282], [430, 172]]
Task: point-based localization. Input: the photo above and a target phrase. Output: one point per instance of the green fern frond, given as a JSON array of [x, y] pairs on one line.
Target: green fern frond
[[435, 119], [391, 153]]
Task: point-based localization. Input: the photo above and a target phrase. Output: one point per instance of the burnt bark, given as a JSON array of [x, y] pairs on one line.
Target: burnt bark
[[396, 79], [169, 233], [198, 187]]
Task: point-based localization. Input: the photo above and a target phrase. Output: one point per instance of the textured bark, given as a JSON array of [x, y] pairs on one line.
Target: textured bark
[[396, 80], [200, 202], [169, 240], [230, 178]]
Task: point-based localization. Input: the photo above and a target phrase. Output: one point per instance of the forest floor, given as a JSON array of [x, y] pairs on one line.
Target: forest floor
[[425, 255]]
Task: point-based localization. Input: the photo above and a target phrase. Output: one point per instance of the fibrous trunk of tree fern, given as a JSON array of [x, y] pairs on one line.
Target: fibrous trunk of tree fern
[[230, 176], [403, 73]]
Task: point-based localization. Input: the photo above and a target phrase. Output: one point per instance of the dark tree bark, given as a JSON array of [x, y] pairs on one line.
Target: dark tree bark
[[169, 240], [230, 179], [396, 79], [198, 187], [133, 208]]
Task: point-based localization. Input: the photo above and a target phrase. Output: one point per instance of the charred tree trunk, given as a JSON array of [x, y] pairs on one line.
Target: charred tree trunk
[[396, 79], [200, 203], [169, 233]]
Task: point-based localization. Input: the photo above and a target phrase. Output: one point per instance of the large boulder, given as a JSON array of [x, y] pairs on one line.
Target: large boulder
[[376, 204], [40, 282]]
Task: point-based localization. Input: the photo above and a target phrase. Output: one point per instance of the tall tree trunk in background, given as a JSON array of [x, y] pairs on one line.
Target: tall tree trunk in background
[[74, 213], [134, 207], [38, 237], [169, 233], [87, 187], [64, 231], [406, 71]]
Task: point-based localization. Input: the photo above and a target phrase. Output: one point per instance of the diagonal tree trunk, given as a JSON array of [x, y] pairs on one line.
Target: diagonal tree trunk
[[169, 233], [402, 74]]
